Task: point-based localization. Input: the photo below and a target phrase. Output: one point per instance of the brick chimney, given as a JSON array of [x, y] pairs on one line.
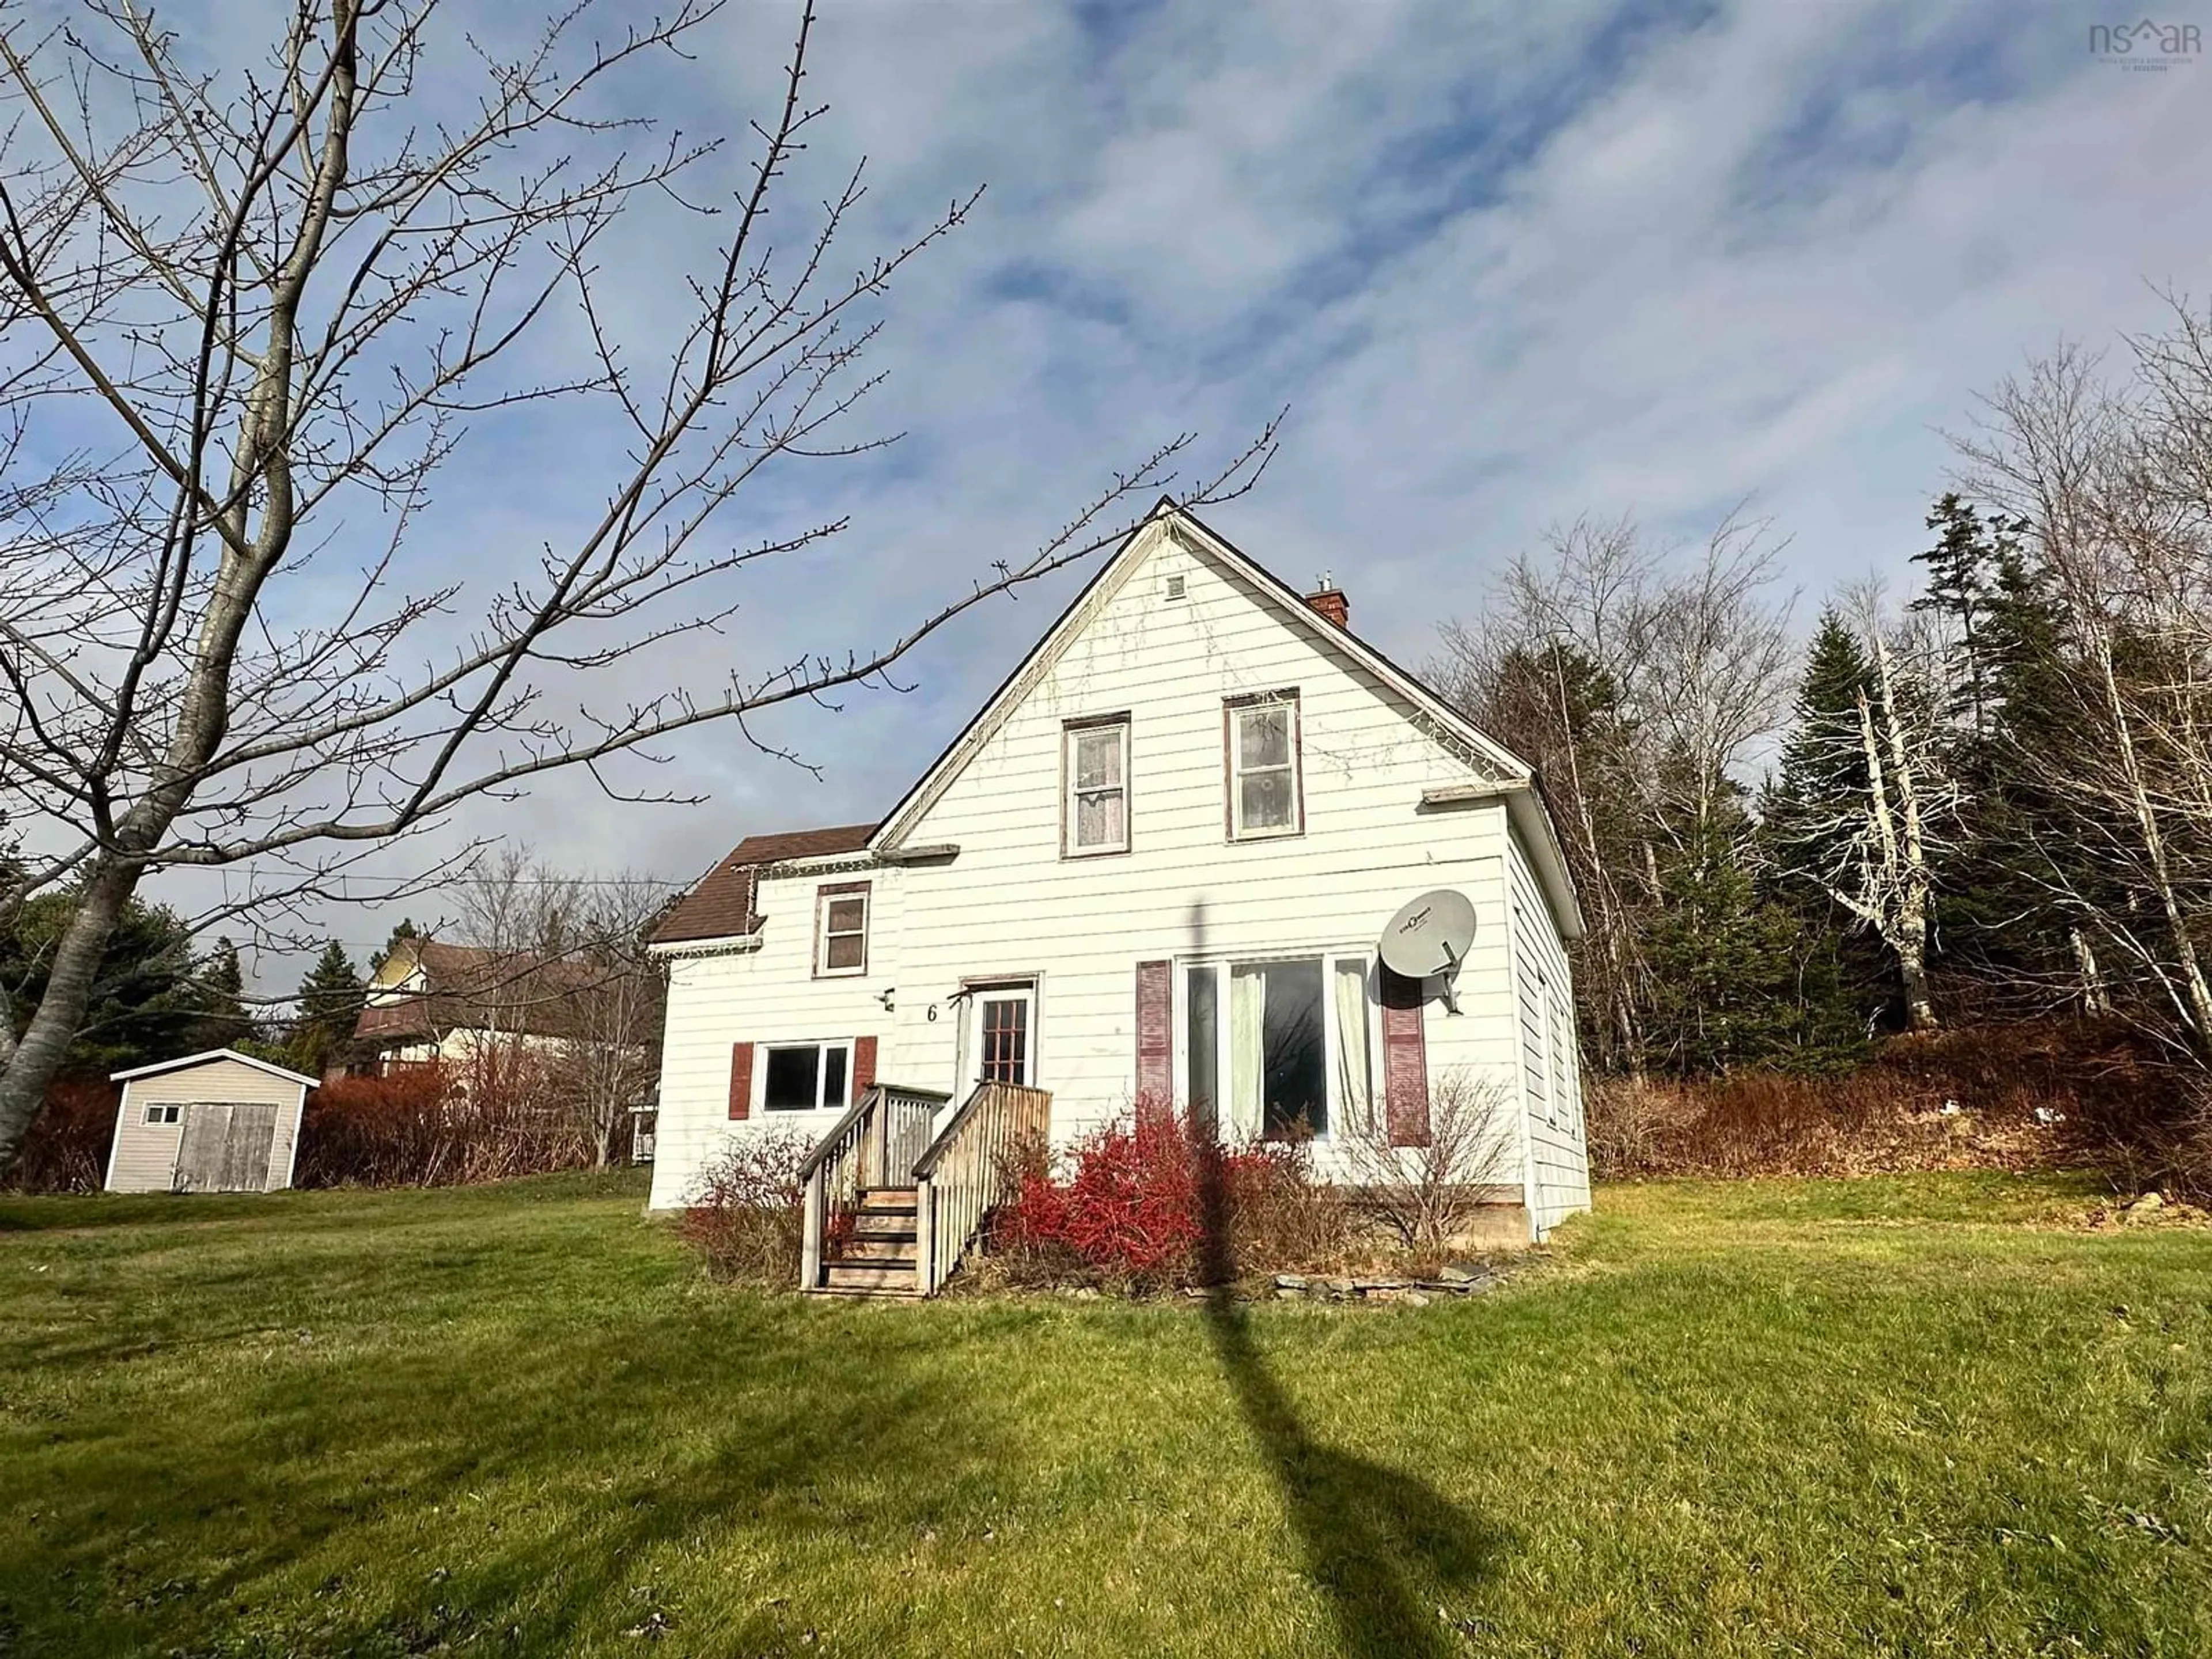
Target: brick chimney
[[1330, 600]]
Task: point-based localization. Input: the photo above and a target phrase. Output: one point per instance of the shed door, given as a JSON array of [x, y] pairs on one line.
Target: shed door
[[226, 1146]]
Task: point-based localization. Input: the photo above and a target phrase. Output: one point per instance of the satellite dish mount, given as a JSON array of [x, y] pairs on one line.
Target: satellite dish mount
[[1429, 937]]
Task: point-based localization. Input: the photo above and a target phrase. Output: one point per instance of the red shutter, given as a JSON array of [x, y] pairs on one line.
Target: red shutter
[[863, 1066], [741, 1081], [1404, 1061], [1156, 1032]]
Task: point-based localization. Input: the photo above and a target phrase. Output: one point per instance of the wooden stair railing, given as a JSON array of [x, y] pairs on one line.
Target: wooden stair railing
[[873, 1147], [961, 1175]]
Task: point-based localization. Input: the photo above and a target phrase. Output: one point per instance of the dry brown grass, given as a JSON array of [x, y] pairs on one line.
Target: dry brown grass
[[2015, 1096]]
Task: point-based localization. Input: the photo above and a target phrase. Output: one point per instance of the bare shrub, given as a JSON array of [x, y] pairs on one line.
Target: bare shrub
[[66, 1150], [1282, 1217], [746, 1217], [2018, 1095], [484, 1118], [1429, 1196]]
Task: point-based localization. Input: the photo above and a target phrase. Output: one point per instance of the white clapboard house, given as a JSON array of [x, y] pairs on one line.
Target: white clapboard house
[[1158, 864]]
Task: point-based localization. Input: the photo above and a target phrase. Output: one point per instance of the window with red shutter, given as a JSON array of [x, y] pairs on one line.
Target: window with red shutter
[[741, 1081], [1156, 1032], [1404, 1061]]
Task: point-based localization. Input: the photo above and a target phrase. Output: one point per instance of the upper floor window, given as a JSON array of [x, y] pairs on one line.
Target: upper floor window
[[1095, 817], [840, 929], [1265, 798]]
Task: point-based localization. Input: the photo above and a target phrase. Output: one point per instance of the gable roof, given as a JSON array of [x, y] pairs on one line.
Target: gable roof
[[480, 987], [720, 902], [201, 1059], [1513, 778]]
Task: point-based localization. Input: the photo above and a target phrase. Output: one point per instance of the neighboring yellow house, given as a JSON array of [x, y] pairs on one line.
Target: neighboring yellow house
[[452, 1003]]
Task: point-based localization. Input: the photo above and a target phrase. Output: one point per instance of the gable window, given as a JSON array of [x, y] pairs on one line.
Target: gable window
[[1264, 795], [163, 1114], [840, 929], [807, 1077], [1095, 817]]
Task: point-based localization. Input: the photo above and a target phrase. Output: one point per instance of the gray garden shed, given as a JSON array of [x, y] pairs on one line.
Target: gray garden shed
[[214, 1122]]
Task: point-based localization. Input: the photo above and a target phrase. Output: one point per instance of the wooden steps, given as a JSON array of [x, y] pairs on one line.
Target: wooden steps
[[876, 1256]]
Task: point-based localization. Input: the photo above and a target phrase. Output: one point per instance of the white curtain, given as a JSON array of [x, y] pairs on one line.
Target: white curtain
[[1246, 1049], [1353, 1074]]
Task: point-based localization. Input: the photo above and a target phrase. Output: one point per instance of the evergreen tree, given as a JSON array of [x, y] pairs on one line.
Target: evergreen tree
[[330, 1001], [224, 1023], [1823, 773], [1960, 571], [1736, 977], [145, 1002], [1807, 821]]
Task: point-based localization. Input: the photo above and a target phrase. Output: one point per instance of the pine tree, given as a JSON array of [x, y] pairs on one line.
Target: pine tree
[[1961, 568], [330, 999], [1805, 825], [145, 1000], [1736, 977], [224, 1024], [1823, 772]]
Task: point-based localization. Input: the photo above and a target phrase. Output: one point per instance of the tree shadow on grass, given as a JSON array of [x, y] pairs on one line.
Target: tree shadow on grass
[[518, 1497], [1379, 1544]]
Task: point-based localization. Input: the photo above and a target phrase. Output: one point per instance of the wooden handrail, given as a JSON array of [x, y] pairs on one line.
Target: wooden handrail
[[854, 1113], [870, 1146], [961, 1177]]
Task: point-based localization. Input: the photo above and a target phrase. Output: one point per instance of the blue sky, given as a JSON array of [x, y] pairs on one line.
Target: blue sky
[[1505, 265]]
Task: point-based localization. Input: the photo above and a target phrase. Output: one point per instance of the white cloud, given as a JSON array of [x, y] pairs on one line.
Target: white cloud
[[1505, 268]]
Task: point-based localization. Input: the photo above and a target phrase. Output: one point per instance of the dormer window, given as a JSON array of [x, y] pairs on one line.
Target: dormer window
[[841, 930], [1265, 795], [1094, 814]]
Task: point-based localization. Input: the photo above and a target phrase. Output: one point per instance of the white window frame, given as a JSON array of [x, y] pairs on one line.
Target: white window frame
[[1071, 736], [1232, 735], [1224, 1080], [825, 897], [163, 1112], [820, 1071]]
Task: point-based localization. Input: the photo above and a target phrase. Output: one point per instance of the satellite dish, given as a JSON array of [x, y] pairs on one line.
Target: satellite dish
[[1429, 936]]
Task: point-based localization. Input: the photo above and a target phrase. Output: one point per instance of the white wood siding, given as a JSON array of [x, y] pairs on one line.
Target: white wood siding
[[1551, 1069], [763, 995], [1010, 905], [144, 1156]]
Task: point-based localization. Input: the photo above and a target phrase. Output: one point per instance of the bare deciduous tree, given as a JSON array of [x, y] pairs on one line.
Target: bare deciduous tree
[[1638, 680], [1875, 850], [2114, 475], [562, 970], [249, 306]]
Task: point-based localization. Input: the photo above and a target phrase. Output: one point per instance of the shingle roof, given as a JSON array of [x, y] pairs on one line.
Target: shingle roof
[[720, 904], [472, 987]]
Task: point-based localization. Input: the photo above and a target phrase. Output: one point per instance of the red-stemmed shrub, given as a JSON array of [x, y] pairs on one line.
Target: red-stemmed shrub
[[389, 1130], [1150, 1203]]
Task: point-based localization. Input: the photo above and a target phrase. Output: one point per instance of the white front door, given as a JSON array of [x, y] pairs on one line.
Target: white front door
[[1001, 1037]]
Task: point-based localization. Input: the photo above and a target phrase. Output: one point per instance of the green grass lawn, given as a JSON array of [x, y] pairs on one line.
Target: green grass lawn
[[1920, 1416]]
